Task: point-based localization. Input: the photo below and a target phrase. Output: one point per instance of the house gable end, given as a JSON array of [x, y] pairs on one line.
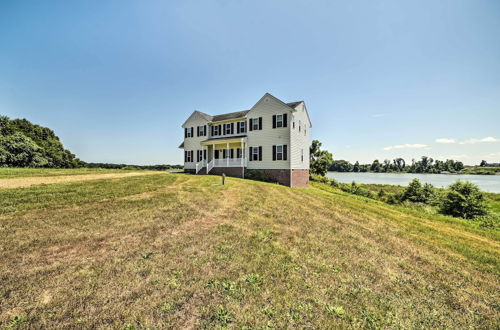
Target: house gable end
[[197, 115]]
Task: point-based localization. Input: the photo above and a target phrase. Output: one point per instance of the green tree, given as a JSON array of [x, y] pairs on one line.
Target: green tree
[[465, 200], [483, 163], [375, 167], [417, 193], [321, 160], [356, 167]]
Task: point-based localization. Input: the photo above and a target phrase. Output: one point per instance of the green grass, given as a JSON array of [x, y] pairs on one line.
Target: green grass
[[176, 251]]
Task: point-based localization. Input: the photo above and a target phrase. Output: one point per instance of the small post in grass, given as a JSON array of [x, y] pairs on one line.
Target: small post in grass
[[223, 178]]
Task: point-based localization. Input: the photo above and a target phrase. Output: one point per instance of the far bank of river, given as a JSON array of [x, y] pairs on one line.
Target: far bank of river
[[489, 183]]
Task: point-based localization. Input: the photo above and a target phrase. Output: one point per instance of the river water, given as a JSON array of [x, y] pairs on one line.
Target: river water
[[489, 183]]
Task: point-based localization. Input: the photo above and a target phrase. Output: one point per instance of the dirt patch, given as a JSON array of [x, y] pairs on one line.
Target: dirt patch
[[33, 181]]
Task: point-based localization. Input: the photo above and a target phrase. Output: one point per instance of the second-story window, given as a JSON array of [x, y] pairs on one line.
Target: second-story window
[[227, 129], [216, 130], [241, 127], [189, 132], [256, 124], [279, 121]]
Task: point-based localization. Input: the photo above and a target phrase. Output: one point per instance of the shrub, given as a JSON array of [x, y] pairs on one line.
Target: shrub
[[318, 178], [417, 193], [357, 190], [258, 176], [465, 200]]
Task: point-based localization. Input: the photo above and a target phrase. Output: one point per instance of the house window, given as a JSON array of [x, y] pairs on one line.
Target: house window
[[241, 127], [255, 153], [227, 128], [239, 153], [255, 124], [189, 132], [279, 120], [189, 156], [216, 130], [279, 152], [216, 154]]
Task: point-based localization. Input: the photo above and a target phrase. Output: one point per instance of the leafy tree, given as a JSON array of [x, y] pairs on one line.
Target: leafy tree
[[417, 193], [375, 167], [399, 164], [341, 166], [483, 163], [321, 160], [465, 200], [356, 167]]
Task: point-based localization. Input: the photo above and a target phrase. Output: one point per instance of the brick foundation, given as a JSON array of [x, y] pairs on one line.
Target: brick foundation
[[300, 178], [229, 171]]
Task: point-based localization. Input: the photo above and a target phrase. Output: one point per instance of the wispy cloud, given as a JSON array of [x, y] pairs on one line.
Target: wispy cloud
[[406, 146], [446, 140], [474, 141]]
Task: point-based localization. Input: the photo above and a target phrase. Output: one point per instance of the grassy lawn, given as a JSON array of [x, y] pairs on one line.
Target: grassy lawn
[[176, 250]]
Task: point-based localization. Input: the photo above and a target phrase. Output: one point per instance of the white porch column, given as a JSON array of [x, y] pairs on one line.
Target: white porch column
[[227, 155]]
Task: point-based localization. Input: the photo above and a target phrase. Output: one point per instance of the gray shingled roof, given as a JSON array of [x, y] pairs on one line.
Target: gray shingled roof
[[294, 104], [182, 145], [231, 115]]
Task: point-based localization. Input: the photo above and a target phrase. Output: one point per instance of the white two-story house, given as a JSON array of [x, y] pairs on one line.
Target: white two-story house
[[272, 137]]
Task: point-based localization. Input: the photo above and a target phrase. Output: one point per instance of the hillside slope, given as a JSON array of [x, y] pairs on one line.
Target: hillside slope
[[179, 250]]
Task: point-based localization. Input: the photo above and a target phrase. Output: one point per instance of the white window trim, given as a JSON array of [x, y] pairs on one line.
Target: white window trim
[[279, 152], [242, 126], [255, 152], [279, 121], [216, 130], [255, 124], [188, 156], [227, 129], [188, 132]]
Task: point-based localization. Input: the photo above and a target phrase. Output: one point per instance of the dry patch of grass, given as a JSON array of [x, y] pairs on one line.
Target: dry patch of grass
[[177, 251], [38, 180]]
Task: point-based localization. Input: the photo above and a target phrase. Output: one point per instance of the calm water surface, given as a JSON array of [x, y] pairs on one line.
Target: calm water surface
[[490, 183]]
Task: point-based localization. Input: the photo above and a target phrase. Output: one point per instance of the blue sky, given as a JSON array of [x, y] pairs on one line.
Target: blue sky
[[381, 79]]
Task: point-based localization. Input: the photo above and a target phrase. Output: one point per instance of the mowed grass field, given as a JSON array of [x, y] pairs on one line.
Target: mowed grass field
[[175, 250]]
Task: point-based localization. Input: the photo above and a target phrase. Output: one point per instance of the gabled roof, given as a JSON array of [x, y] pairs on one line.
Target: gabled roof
[[241, 114], [232, 115], [182, 145]]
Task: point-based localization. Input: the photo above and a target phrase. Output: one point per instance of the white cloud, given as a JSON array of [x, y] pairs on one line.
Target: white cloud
[[474, 141], [446, 140], [406, 146]]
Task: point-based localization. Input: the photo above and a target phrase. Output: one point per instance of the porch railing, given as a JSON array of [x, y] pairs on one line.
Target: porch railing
[[200, 165], [210, 165], [230, 162]]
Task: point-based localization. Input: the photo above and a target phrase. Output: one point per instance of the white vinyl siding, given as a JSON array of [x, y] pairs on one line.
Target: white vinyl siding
[[268, 137], [300, 141]]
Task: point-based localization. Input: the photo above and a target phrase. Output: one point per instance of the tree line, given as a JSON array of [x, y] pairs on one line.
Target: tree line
[[24, 144], [424, 165]]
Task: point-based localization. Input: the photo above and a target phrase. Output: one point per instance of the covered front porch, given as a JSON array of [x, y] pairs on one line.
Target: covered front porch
[[229, 152]]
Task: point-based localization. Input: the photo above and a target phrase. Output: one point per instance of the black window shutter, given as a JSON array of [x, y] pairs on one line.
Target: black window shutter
[[185, 156], [204, 130], [285, 121], [185, 132], [192, 155], [260, 123], [238, 128], [260, 152], [250, 156], [274, 152], [250, 124], [220, 129], [205, 154], [212, 130], [284, 151], [232, 128], [274, 121], [232, 153], [192, 131], [224, 129]]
